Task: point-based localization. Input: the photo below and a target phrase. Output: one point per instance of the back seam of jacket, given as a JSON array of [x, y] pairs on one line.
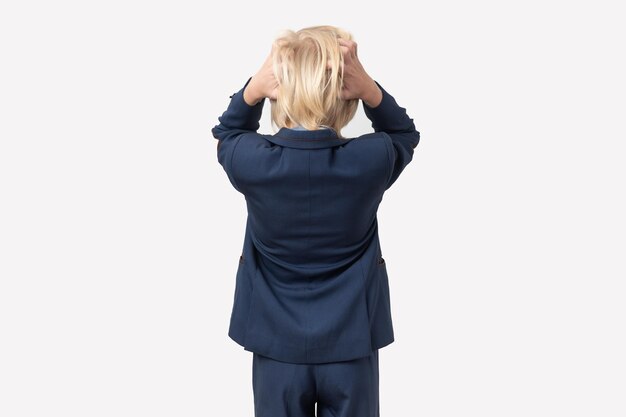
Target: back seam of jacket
[[308, 239]]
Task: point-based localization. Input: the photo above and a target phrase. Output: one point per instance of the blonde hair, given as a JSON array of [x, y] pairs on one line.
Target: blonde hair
[[308, 65]]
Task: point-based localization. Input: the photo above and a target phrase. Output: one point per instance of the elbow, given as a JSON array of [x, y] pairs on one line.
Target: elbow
[[416, 139]]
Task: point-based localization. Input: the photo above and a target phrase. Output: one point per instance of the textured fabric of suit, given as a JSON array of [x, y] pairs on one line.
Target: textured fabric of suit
[[311, 283], [336, 389]]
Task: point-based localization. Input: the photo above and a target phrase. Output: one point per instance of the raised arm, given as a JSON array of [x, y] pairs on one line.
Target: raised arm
[[382, 109], [390, 118], [238, 119], [244, 113]]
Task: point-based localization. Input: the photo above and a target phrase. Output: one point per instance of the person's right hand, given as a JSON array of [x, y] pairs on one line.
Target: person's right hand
[[357, 84]]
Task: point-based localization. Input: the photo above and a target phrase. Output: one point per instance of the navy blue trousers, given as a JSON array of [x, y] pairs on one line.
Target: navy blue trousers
[[340, 389]]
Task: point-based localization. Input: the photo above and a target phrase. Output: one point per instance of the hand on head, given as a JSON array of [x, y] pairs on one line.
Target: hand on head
[[263, 83], [357, 83]]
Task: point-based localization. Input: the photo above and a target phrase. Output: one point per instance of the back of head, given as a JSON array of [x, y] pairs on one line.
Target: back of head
[[308, 65]]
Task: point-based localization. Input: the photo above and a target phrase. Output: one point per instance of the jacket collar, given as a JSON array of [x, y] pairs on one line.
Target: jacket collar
[[306, 139]]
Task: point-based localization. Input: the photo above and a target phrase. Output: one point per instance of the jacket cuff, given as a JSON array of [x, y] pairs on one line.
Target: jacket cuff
[[388, 115], [243, 115]]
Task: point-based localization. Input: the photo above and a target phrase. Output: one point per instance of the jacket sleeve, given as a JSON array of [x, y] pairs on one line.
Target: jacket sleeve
[[238, 119], [390, 118]]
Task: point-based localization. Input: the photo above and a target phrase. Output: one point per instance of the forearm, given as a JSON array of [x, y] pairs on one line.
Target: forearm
[[388, 115], [239, 115]]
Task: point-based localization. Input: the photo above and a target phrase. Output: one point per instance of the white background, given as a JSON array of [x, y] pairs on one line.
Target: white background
[[120, 233]]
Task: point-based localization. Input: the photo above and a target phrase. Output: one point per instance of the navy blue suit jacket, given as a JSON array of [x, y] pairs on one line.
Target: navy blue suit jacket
[[311, 284]]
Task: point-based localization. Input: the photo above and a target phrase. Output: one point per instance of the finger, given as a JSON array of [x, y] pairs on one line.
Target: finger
[[345, 51], [346, 42]]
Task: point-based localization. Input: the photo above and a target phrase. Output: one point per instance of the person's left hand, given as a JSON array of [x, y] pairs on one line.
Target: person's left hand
[[263, 83]]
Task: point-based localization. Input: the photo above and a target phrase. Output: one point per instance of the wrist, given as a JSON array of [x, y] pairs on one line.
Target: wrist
[[373, 95], [250, 94]]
